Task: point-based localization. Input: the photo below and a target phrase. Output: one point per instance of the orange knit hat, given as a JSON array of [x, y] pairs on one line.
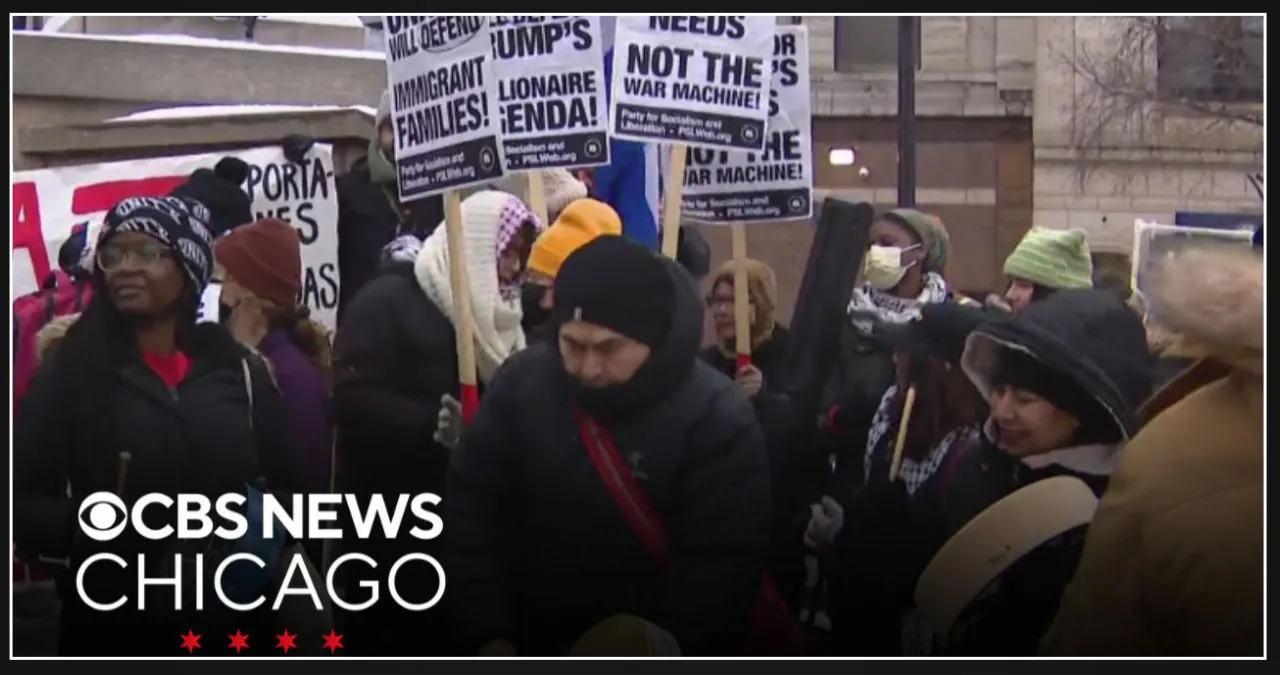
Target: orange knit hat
[[580, 222]]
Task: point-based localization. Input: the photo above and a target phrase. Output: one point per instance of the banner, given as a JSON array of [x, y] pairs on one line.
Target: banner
[[443, 103], [47, 203], [696, 80], [550, 73], [722, 186]]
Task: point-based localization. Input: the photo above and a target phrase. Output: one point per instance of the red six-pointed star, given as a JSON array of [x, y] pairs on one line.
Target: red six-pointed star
[[238, 641], [285, 641], [332, 641], [190, 641]]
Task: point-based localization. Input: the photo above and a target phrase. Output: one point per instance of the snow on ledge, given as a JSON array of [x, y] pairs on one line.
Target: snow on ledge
[[188, 41], [206, 111]]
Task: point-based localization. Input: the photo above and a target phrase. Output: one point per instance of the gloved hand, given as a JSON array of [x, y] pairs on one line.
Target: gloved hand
[[296, 146], [825, 522], [448, 422]]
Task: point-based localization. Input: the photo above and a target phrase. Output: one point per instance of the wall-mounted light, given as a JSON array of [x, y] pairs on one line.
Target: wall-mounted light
[[842, 157]]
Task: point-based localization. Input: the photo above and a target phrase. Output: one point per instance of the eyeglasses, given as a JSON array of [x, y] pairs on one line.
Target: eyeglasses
[[111, 258]]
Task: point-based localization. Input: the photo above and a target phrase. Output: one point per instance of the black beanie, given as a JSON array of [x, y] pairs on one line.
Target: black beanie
[[1021, 370], [219, 190], [620, 285]]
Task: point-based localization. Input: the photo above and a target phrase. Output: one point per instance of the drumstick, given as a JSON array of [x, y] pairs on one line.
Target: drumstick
[[901, 440], [122, 472]]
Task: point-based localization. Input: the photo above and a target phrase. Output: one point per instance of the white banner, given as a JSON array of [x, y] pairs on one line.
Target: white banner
[[444, 99], [47, 203], [550, 72], [722, 186], [697, 80]]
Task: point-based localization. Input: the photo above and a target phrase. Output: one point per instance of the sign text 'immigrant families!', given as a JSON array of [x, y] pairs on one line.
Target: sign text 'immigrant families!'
[[551, 102], [722, 186], [443, 102], [695, 80]]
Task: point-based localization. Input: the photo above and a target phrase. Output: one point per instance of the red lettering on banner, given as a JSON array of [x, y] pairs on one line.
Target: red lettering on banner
[[26, 229], [102, 196]]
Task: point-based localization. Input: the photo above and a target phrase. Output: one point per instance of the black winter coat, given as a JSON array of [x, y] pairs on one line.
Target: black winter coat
[[202, 437], [539, 551], [394, 359], [368, 221], [1089, 336], [798, 472]]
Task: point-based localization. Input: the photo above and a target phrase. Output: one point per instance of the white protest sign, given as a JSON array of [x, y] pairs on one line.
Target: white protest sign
[[443, 102], [1155, 245], [722, 186], [47, 203], [695, 80], [550, 72]]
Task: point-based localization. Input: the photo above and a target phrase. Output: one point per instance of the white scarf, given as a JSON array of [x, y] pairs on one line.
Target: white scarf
[[869, 305], [495, 321]]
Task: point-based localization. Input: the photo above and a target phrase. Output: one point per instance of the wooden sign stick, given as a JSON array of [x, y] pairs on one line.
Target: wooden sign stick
[[469, 393], [741, 297], [671, 203]]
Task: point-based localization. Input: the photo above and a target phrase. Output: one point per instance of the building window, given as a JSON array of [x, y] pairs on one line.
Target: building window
[[1210, 58], [869, 43]]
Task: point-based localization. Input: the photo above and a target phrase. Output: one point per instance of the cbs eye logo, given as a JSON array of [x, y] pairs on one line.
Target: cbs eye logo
[[103, 516]]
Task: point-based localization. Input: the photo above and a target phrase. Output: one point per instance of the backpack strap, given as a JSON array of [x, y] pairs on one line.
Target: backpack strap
[[248, 387]]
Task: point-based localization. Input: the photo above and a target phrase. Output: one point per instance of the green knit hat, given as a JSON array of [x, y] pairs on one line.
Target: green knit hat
[[936, 243], [1052, 258]]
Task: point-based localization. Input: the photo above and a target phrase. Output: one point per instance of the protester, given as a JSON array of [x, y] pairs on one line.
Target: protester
[[578, 224], [396, 359], [1063, 379], [139, 398], [1045, 261], [219, 190], [1173, 564], [262, 272], [902, 273], [945, 417], [370, 213], [791, 463], [618, 410]]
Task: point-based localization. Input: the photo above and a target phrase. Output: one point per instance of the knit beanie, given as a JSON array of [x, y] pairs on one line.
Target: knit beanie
[[175, 222], [618, 284], [1055, 259], [265, 258], [936, 244], [559, 189], [579, 223], [219, 190]]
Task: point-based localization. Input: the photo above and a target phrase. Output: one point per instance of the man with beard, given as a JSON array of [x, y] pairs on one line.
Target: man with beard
[[609, 472]]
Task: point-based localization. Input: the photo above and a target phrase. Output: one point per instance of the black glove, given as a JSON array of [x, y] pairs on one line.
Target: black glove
[[296, 147]]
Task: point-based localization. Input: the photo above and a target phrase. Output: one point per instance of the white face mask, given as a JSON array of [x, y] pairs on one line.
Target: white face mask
[[882, 266]]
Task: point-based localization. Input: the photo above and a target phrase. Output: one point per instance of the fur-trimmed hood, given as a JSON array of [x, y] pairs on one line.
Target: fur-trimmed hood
[[1210, 301]]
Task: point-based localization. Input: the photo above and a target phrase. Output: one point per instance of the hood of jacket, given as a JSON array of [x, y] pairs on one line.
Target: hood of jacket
[[1088, 335], [1216, 311]]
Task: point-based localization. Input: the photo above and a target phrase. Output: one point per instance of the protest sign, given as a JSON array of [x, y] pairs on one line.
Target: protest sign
[[551, 101], [47, 203], [694, 80], [443, 102], [722, 186], [1156, 245]]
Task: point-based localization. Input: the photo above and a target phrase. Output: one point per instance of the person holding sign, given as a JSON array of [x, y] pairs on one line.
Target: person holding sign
[[138, 398], [609, 472], [901, 272], [1063, 380], [578, 225], [370, 212], [396, 367]]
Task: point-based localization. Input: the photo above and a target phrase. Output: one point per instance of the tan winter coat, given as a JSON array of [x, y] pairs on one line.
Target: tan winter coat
[[1173, 563]]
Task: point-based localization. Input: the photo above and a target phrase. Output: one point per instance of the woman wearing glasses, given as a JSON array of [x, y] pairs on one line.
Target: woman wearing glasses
[[139, 398]]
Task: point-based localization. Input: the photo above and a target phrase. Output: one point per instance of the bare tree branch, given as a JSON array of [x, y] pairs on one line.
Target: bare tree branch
[[1147, 70]]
